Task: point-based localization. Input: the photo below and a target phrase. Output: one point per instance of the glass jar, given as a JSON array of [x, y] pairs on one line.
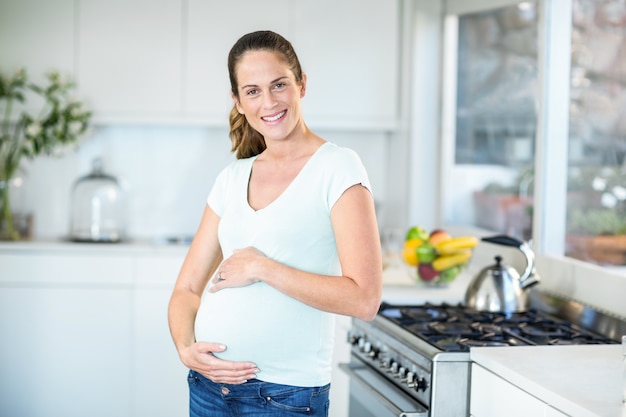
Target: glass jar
[[98, 209]]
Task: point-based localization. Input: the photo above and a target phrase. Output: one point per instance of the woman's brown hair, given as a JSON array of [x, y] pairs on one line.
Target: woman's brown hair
[[246, 141]]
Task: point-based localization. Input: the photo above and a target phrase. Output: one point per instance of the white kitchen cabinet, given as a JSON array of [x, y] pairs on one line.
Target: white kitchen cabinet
[[130, 57], [65, 352], [37, 35], [492, 396], [65, 343], [163, 61], [160, 378], [351, 56], [350, 50], [84, 330]]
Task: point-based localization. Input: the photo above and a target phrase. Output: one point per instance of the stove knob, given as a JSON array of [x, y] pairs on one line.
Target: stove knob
[[383, 362], [394, 367], [373, 353], [410, 379], [361, 342], [402, 372], [418, 383], [367, 347]]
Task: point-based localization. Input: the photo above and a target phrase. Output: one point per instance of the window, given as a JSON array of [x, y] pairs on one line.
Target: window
[[500, 117], [596, 198]]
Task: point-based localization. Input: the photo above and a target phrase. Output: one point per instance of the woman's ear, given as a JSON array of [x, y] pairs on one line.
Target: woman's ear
[[303, 86], [236, 101]]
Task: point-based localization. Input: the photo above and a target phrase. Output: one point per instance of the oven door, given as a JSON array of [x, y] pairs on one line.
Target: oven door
[[371, 395]]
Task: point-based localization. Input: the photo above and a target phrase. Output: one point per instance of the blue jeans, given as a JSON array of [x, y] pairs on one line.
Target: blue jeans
[[254, 398]]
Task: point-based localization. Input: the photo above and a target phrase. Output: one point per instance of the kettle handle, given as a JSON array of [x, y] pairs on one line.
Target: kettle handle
[[529, 277], [504, 240]]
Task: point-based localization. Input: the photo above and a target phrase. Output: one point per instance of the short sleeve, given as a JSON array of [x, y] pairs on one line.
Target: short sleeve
[[217, 195], [348, 170]]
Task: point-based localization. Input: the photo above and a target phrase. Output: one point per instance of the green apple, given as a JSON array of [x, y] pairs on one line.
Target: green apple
[[426, 253], [417, 232], [450, 274]]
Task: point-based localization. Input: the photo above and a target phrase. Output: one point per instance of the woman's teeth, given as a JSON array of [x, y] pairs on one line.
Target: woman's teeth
[[274, 118]]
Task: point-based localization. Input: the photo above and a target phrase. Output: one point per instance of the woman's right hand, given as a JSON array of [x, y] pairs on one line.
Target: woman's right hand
[[200, 358]]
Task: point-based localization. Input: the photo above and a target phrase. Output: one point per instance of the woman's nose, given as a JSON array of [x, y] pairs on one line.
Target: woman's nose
[[269, 101]]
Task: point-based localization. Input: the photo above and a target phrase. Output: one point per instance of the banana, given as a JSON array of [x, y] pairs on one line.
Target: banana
[[448, 261], [456, 244]]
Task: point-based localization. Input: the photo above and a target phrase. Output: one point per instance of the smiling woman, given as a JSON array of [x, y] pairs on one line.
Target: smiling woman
[[288, 239]]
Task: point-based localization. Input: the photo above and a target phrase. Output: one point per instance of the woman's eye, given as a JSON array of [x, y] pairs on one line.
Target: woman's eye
[[278, 86], [251, 92]]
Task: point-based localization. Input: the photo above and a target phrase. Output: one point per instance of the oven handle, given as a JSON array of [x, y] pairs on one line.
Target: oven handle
[[348, 368]]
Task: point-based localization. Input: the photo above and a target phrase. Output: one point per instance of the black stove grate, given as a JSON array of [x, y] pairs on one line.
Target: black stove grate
[[457, 328]]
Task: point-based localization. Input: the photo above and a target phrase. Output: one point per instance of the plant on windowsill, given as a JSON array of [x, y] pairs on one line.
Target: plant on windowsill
[[59, 125], [597, 219]]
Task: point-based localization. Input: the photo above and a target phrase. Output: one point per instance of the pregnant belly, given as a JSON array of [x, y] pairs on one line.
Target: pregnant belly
[[258, 324]]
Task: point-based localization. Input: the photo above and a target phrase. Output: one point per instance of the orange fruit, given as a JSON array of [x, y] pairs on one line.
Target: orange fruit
[[409, 252]]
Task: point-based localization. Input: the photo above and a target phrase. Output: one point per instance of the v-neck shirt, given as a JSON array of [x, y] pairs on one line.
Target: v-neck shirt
[[290, 342]]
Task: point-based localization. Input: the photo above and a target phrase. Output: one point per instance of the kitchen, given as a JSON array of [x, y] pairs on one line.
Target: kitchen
[[141, 121]]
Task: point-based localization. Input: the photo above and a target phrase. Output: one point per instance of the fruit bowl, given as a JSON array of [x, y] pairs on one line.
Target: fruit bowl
[[436, 257]]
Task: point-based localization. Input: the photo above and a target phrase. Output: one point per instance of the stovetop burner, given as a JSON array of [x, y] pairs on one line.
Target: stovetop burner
[[456, 328]]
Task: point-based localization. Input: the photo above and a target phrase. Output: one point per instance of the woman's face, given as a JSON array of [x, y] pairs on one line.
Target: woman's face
[[269, 95]]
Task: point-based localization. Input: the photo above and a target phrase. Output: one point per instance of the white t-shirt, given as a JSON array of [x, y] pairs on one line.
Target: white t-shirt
[[290, 342]]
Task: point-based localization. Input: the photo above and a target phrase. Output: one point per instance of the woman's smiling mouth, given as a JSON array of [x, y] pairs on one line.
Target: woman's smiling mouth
[[274, 117]]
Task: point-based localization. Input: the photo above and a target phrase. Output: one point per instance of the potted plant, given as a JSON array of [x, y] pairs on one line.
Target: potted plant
[[59, 124], [506, 208], [597, 218]]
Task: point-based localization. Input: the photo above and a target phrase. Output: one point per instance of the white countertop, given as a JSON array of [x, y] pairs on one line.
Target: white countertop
[[580, 381], [51, 246]]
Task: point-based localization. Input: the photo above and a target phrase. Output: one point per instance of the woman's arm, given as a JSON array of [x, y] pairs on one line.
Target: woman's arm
[[356, 293], [201, 261]]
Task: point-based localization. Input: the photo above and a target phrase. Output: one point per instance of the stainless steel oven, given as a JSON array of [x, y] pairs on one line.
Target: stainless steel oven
[[413, 360], [371, 395]]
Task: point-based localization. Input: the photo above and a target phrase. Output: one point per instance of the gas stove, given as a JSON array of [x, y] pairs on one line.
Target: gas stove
[[456, 328], [419, 354]]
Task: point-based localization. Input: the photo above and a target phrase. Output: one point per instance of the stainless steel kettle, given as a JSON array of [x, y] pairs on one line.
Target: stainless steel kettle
[[500, 288]]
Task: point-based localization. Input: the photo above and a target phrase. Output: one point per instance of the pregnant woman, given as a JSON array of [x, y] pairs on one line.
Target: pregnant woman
[[288, 239]]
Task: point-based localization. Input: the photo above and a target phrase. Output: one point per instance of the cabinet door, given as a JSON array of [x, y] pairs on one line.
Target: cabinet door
[[350, 51], [492, 396], [212, 29], [130, 58], [39, 36], [65, 352], [160, 384]]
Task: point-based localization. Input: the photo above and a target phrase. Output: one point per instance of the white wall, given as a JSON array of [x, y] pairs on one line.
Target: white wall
[[168, 170]]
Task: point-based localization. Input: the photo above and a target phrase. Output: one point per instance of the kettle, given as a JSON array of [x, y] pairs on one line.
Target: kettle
[[498, 287]]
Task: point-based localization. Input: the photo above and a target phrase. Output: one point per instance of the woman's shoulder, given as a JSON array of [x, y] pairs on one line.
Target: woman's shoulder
[[334, 152], [236, 168]]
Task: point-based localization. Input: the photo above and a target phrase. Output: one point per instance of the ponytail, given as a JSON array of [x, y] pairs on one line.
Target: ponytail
[[246, 141]]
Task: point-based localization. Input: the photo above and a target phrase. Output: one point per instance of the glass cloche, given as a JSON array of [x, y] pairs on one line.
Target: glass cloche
[[98, 207]]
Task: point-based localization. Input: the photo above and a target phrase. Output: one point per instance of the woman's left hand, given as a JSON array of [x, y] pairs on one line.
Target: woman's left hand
[[239, 270]]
